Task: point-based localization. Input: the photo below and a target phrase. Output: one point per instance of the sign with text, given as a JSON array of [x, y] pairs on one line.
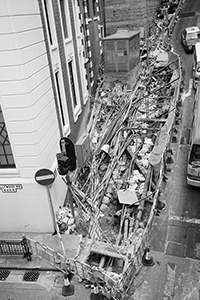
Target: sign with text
[[10, 188]]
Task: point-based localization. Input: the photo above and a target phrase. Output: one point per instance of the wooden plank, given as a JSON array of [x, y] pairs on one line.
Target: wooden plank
[[106, 249]]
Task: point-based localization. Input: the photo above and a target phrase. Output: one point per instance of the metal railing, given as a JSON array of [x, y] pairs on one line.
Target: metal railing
[[14, 247]]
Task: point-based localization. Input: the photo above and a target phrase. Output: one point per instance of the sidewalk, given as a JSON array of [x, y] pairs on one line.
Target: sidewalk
[[48, 287], [70, 242], [170, 278], [50, 281]]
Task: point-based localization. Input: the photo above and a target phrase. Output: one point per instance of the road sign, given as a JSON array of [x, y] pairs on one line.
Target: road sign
[[44, 177]]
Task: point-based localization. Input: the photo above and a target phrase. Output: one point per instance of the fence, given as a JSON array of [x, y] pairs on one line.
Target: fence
[[110, 286], [14, 247]]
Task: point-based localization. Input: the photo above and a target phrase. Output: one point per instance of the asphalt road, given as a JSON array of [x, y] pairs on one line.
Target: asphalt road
[[176, 231]]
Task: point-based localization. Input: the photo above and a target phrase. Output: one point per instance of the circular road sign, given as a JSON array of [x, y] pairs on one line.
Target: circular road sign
[[44, 177]]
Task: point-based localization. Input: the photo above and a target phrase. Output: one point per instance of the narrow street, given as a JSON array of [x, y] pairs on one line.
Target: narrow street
[[183, 200], [175, 234]]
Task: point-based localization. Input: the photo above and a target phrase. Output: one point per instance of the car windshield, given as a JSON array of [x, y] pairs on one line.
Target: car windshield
[[195, 155], [192, 36]]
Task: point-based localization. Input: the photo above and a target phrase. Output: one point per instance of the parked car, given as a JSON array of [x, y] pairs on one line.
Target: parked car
[[189, 37]]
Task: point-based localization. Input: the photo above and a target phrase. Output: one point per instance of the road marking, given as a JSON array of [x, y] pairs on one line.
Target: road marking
[[170, 281], [185, 219], [188, 93]]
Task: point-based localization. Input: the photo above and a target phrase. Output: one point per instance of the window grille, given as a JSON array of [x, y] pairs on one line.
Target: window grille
[[6, 156]]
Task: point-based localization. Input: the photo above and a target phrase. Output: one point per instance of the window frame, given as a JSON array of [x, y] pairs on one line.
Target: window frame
[[63, 13], [72, 84], [49, 20], [8, 145]]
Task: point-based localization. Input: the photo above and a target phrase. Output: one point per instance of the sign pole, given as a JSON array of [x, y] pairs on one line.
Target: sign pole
[[51, 208], [46, 177], [56, 227]]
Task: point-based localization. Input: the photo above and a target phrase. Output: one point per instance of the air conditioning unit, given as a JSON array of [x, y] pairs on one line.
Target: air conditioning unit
[[83, 149]]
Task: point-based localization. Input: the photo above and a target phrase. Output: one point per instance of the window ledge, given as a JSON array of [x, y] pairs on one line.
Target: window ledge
[[78, 35], [67, 40], [9, 172], [54, 47], [66, 130], [77, 112]]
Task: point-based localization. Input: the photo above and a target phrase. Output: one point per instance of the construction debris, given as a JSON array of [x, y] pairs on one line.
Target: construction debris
[[116, 191], [65, 220]]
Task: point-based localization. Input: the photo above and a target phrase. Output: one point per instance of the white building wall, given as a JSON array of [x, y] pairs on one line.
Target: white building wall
[[27, 101]]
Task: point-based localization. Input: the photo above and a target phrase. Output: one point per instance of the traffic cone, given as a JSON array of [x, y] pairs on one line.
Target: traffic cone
[[67, 289], [174, 135], [169, 159], [160, 205], [147, 260], [179, 103]]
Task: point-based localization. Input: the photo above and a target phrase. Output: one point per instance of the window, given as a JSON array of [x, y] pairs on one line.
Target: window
[[88, 8], [48, 21], [76, 17], [94, 6], [63, 17], [6, 156], [71, 76], [195, 155], [59, 98]]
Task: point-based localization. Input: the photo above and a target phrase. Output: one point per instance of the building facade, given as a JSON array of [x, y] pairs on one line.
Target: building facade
[[43, 97], [93, 31], [132, 15]]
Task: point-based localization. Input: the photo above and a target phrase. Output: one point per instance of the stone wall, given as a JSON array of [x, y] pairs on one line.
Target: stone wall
[[131, 14]]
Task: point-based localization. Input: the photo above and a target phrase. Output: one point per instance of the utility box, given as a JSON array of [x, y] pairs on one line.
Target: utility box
[[121, 51], [83, 149]]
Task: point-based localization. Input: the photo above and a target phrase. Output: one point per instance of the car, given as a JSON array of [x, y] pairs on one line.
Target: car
[[189, 37]]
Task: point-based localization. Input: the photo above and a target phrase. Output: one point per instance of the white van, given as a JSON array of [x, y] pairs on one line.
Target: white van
[[196, 64]]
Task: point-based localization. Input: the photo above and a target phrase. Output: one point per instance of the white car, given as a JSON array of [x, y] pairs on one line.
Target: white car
[[189, 37]]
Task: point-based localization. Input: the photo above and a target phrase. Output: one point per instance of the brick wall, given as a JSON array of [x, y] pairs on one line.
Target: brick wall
[[130, 14]]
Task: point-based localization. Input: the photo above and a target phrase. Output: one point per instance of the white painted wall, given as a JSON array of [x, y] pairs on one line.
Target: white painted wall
[[25, 87], [27, 210], [27, 101]]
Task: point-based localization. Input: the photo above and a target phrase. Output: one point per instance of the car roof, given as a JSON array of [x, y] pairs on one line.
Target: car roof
[[192, 29]]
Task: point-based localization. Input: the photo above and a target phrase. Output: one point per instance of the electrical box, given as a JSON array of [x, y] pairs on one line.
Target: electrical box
[[83, 149], [121, 51]]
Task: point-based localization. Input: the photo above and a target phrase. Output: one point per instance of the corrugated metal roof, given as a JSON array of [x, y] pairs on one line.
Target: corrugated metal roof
[[121, 34]]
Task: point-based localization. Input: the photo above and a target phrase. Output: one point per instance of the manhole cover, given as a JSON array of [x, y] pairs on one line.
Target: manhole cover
[[4, 274], [31, 276]]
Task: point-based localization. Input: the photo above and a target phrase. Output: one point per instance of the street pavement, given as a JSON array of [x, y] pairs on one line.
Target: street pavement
[[47, 287], [171, 277], [174, 239], [50, 281], [174, 275]]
